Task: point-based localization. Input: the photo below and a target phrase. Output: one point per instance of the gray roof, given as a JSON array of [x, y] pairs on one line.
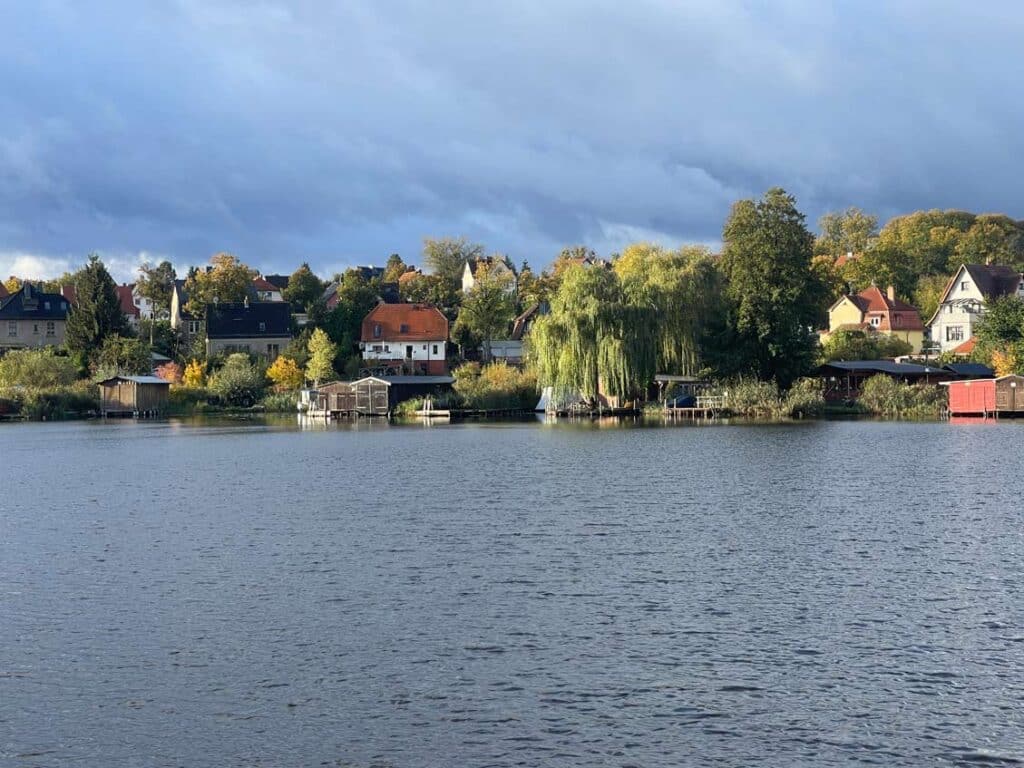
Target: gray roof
[[885, 366], [427, 380], [993, 280], [29, 303], [242, 321], [974, 370], [137, 380]]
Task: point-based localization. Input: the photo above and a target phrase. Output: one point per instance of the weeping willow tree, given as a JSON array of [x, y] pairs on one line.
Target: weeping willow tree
[[612, 330], [684, 286], [596, 338]]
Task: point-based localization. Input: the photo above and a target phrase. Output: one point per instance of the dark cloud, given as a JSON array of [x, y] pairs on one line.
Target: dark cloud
[[289, 131]]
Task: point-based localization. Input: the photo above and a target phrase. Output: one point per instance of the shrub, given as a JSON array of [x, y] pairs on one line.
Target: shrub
[[194, 375], [280, 402], [862, 345], [171, 372], [752, 397], [886, 396], [36, 369], [183, 398], [805, 398], [77, 399], [497, 386], [238, 382], [286, 374]]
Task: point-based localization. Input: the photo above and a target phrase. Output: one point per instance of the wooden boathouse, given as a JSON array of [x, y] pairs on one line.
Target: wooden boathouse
[[996, 398], [133, 396], [371, 395]]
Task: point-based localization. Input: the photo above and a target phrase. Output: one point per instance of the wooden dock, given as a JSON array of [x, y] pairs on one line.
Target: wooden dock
[[707, 407]]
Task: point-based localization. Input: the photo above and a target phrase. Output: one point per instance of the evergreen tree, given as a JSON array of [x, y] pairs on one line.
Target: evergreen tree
[[96, 314]]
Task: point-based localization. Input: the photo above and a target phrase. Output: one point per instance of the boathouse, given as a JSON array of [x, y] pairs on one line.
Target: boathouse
[[1003, 396], [133, 396], [379, 395]]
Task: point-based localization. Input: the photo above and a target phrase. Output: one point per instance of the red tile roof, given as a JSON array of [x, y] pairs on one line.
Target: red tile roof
[[400, 322], [261, 284], [966, 348], [69, 293], [124, 295]]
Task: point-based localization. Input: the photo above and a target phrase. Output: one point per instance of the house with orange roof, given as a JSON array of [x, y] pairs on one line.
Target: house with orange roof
[[873, 311], [266, 290], [412, 337]]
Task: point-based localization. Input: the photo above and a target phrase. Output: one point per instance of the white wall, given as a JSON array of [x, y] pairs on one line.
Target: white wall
[[395, 350]]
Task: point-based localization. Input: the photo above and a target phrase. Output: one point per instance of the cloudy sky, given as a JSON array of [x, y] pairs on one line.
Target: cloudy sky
[[339, 132]]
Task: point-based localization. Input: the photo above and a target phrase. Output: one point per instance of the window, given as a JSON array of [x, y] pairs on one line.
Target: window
[[12, 328], [64, 305], [193, 326], [435, 349], [963, 285], [403, 328], [51, 328], [46, 305], [377, 348], [263, 327], [424, 347], [387, 347], [954, 333], [376, 330], [35, 329], [273, 350], [875, 321]]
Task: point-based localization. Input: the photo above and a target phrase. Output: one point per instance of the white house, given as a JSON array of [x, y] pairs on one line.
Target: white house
[[411, 336], [964, 300], [495, 265]]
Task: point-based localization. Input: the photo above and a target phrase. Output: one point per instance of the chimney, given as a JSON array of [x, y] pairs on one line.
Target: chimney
[[891, 292]]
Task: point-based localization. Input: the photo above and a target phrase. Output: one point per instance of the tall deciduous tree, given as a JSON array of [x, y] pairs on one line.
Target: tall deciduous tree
[[488, 308], [849, 231], [447, 257], [304, 287], [96, 313], [321, 357], [771, 286], [123, 355], [394, 269], [227, 280], [155, 284]]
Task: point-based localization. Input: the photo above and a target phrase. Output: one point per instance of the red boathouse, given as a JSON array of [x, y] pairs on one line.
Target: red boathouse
[[1003, 396]]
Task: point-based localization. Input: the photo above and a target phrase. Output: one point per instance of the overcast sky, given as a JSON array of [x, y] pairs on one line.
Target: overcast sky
[[286, 132]]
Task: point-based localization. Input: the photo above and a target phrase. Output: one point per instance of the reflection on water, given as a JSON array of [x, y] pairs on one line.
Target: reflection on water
[[269, 593]]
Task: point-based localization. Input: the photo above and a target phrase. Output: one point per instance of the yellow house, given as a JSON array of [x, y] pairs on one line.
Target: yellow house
[[874, 311]]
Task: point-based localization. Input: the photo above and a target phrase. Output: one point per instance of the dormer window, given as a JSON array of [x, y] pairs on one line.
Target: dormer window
[[403, 328], [376, 330], [46, 305], [263, 327]]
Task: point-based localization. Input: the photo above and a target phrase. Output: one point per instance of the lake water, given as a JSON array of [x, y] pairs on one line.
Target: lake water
[[822, 593]]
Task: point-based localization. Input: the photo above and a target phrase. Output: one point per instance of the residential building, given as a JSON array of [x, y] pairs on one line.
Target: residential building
[[259, 328], [264, 290], [410, 336], [126, 296], [873, 311], [964, 300], [278, 281], [32, 318], [145, 306], [189, 328], [493, 265]]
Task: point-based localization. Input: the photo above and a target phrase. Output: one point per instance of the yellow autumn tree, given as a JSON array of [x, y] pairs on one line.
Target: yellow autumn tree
[[286, 375], [195, 375], [1004, 361]]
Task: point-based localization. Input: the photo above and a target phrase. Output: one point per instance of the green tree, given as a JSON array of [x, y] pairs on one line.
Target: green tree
[[595, 340], [488, 309], [1001, 329], [394, 269], [343, 324], [304, 288], [769, 282], [156, 284], [861, 345], [447, 256], [928, 294], [321, 357], [96, 313], [36, 369], [992, 239], [238, 381], [433, 290], [227, 280], [849, 231], [123, 355]]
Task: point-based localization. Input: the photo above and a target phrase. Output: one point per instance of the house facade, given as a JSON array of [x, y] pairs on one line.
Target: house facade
[[258, 328], [264, 290], [493, 265], [32, 318], [412, 337], [964, 300], [871, 310], [189, 328]]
